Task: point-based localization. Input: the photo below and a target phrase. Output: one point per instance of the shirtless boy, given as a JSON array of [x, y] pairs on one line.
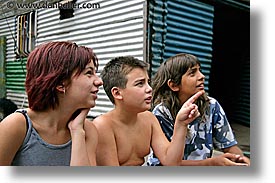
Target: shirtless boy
[[127, 132]]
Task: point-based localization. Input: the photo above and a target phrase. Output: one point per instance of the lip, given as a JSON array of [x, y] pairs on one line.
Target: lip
[[148, 99], [94, 93], [201, 86]]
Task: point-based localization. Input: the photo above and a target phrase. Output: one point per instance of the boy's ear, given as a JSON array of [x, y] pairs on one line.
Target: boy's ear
[[116, 93], [172, 85], [60, 88]]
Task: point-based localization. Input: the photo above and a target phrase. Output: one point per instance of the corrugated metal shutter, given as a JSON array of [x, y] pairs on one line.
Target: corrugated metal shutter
[[15, 82], [241, 103], [2, 66], [8, 29], [157, 29], [187, 26], [14, 68], [114, 29]]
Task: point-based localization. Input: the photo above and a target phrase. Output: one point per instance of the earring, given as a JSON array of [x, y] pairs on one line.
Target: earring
[[64, 91]]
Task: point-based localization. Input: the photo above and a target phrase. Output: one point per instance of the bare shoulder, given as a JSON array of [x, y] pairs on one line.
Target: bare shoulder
[[12, 133], [103, 120], [103, 124], [148, 116], [89, 126], [15, 124], [91, 134]]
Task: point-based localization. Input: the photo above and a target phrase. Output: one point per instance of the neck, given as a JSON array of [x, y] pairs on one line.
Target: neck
[[125, 116], [57, 118]]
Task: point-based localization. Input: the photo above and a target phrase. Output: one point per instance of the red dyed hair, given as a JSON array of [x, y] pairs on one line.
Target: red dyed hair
[[49, 65]]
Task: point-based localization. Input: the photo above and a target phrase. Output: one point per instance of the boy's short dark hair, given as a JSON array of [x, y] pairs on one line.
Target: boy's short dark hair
[[115, 71]]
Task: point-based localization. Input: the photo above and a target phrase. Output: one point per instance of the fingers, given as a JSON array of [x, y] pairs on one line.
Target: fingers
[[192, 99], [235, 158], [78, 120], [189, 111], [243, 159], [194, 112], [83, 113], [241, 164]]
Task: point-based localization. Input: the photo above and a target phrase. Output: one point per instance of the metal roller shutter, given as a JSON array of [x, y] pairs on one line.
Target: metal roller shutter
[[114, 28], [182, 26]]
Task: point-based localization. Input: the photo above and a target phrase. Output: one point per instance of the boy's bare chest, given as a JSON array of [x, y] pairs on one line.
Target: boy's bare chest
[[133, 144]]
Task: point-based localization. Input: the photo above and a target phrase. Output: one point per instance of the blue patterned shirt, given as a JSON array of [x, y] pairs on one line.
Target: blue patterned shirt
[[201, 135]]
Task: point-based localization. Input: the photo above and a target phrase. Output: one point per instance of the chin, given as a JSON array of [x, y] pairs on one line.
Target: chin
[[148, 107], [90, 105]]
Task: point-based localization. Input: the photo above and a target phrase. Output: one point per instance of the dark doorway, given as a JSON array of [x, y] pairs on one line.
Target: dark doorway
[[230, 72]]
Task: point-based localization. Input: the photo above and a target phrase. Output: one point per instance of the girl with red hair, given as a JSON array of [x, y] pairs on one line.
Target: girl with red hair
[[61, 85]]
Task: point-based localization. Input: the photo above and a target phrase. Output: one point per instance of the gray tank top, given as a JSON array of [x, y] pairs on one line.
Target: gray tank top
[[36, 152]]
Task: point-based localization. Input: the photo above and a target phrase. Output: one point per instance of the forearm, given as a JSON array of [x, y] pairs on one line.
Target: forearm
[[176, 149], [79, 155], [186, 115], [233, 150], [205, 162]]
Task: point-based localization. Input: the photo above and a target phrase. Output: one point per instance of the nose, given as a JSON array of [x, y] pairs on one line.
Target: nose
[[148, 89], [98, 81], [201, 76]]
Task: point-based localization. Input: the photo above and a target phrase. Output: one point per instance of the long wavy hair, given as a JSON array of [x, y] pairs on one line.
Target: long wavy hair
[[173, 69]]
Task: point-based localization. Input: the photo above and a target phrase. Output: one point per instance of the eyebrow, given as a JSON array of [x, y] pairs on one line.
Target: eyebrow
[[193, 68], [140, 79], [92, 68]]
